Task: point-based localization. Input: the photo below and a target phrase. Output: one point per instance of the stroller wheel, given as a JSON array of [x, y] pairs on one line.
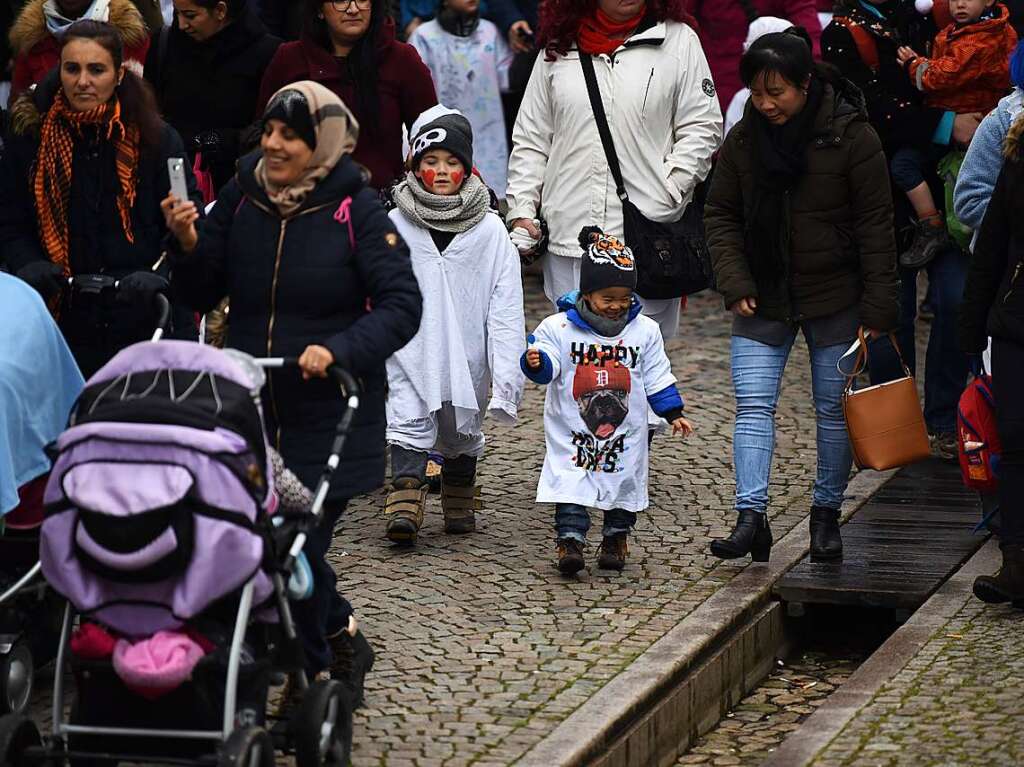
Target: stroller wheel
[[18, 733], [17, 670], [247, 747], [323, 726]]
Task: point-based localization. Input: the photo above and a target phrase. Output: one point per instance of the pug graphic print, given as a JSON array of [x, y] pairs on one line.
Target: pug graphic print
[[595, 412]]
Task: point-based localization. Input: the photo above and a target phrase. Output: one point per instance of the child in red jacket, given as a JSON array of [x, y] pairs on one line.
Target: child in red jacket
[[968, 72]]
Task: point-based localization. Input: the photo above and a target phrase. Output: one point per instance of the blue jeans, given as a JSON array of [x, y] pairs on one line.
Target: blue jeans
[[573, 521], [757, 377], [945, 374]]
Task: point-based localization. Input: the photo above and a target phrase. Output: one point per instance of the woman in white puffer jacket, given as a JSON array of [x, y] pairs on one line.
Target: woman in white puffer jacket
[[664, 118]]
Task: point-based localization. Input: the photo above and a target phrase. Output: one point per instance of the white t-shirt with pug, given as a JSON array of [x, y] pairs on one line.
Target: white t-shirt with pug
[[595, 412]]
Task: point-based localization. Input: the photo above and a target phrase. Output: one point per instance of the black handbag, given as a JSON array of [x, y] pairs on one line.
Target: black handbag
[[672, 259]]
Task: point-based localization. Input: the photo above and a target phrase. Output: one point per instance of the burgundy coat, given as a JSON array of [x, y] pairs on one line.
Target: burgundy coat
[[405, 89], [723, 28]]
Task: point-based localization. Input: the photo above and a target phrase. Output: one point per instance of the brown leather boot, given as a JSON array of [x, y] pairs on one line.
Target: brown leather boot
[[613, 551]]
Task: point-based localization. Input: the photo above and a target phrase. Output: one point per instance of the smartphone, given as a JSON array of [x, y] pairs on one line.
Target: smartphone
[[176, 171]]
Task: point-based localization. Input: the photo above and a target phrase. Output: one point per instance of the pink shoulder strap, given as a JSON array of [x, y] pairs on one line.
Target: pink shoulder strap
[[343, 215]]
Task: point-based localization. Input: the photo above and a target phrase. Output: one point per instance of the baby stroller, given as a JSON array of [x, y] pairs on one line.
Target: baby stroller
[[160, 534], [39, 382]]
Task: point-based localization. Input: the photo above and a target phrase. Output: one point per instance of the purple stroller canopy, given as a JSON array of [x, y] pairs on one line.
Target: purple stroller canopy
[[156, 497]]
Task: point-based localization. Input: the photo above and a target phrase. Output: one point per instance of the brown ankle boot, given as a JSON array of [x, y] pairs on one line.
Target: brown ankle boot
[[613, 551], [403, 510]]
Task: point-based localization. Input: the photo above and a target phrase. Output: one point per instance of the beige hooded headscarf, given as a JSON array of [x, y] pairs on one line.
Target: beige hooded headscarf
[[336, 131]]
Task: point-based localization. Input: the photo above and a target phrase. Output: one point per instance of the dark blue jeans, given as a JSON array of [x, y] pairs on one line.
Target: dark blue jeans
[[945, 374], [326, 612]]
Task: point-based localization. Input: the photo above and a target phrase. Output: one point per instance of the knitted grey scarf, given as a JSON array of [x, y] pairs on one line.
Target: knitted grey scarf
[[443, 212]]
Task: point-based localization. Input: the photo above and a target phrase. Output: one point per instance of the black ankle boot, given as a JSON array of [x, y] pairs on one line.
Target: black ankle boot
[[826, 542], [1007, 585], [752, 535]]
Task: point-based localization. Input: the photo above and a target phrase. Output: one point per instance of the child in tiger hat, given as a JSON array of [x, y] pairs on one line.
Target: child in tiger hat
[[604, 363]]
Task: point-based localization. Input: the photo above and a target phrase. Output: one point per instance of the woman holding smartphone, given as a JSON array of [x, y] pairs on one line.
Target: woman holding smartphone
[[81, 180], [302, 248]]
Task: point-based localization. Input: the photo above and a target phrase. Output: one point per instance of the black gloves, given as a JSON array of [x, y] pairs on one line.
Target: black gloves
[[140, 288], [44, 276]]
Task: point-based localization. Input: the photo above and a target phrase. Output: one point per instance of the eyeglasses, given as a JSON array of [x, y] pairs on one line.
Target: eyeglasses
[[341, 6]]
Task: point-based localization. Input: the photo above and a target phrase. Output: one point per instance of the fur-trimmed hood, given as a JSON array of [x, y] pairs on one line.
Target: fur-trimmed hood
[[26, 115], [30, 26]]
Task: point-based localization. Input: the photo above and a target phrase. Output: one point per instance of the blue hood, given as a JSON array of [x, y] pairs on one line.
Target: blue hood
[[567, 304]]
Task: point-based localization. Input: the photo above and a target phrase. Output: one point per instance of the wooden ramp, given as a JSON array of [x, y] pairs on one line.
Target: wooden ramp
[[898, 547]]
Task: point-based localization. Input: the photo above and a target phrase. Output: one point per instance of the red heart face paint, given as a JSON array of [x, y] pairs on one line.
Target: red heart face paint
[[428, 175], [457, 176]]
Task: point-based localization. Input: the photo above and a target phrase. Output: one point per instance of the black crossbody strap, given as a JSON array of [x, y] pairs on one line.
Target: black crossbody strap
[[602, 124]]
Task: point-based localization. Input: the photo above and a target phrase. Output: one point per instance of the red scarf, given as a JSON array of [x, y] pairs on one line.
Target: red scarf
[[600, 34]]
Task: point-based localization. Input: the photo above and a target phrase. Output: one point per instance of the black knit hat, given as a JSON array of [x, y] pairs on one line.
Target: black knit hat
[[291, 108], [607, 262], [450, 131]]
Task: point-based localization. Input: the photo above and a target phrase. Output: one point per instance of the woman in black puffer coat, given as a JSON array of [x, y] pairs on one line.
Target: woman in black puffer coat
[[68, 207], [303, 250], [993, 306], [206, 70]]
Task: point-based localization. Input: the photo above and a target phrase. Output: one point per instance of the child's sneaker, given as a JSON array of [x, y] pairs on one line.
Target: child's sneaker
[[613, 551], [570, 556], [928, 241]]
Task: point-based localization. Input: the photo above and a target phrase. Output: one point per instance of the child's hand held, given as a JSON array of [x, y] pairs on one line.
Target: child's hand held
[[533, 360], [682, 426]]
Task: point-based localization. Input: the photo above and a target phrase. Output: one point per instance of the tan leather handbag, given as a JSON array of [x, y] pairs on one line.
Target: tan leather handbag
[[885, 422]]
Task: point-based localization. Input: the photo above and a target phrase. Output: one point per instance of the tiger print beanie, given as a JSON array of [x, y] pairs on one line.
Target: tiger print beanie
[[607, 262]]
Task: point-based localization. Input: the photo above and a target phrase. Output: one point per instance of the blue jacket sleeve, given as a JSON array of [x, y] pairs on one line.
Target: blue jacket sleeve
[[666, 401], [542, 376], [979, 171]]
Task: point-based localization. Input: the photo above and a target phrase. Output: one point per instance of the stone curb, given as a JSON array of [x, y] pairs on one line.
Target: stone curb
[[803, 745], [636, 696]]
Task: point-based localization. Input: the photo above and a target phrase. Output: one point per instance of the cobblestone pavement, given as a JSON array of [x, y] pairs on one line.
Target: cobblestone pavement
[[482, 647], [820, 665], [956, 703]]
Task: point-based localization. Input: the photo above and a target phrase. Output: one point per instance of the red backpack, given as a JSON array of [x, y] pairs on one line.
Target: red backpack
[[978, 436]]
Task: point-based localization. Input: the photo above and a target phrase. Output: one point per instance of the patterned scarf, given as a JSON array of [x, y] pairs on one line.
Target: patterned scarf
[[52, 182]]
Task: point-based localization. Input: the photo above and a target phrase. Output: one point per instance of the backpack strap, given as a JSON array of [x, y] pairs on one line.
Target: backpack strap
[[343, 215], [866, 44]]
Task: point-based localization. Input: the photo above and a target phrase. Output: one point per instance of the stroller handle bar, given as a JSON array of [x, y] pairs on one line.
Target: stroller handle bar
[[95, 283], [350, 390]]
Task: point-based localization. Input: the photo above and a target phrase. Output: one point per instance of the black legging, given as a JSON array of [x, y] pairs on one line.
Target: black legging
[[326, 612], [1007, 384]]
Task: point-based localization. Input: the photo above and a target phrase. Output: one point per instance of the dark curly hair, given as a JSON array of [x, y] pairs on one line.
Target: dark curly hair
[[559, 21]]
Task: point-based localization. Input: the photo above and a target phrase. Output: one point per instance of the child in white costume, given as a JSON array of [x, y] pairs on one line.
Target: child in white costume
[[470, 336], [604, 363]]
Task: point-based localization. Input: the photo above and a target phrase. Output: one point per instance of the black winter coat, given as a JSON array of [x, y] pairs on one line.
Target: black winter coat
[[95, 327], [993, 302], [895, 107], [297, 281], [841, 250], [211, 86]]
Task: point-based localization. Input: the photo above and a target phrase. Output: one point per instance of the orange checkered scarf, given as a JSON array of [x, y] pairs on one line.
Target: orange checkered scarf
[[52, 182]]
